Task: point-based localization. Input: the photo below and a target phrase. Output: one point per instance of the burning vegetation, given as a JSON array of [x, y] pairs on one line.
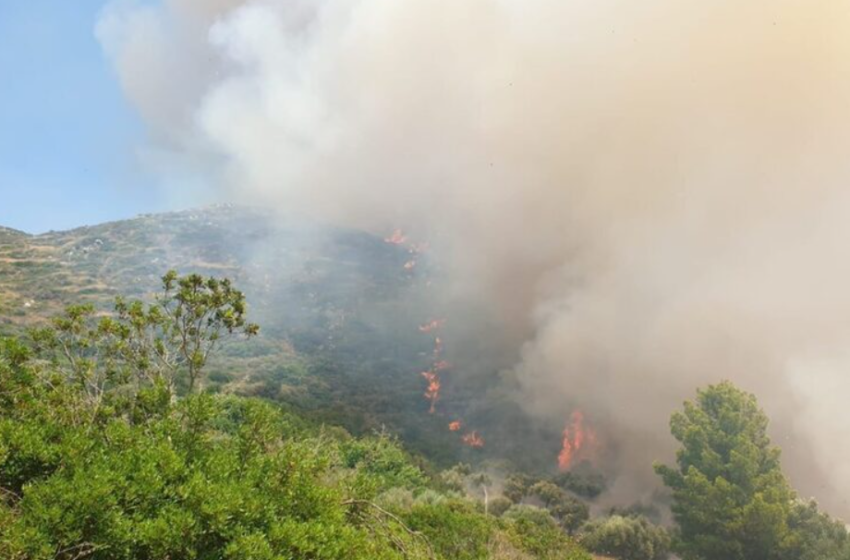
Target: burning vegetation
[[439, 365], [578, 441], [472, 439], [432, 393]]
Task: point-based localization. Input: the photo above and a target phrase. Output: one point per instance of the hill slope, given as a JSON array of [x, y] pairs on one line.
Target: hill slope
[[338, 309]]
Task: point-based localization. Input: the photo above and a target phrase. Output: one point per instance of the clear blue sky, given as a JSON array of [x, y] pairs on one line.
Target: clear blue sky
[[67, 137]]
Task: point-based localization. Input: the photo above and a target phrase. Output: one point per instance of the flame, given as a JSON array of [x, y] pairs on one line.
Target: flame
[[432, 393], [431, 325], [455, 426], [409, 265], [472, 439], [577, 441], [396, 238], [442, 365]]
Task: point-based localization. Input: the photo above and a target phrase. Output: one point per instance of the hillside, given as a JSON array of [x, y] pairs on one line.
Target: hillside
[[40, 273], [340, 317]]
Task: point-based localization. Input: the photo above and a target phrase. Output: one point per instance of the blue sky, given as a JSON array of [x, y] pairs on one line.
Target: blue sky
[[67, 137]]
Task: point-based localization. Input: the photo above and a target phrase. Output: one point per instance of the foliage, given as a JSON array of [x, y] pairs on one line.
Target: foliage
[[586, 485], [626, 538], [534, 531], [380, 465], [815, 535], [346, 348], [570, 512], [731, 499], [516, 486], [128, 471], [499, 505], [147, 344], [213, 477]]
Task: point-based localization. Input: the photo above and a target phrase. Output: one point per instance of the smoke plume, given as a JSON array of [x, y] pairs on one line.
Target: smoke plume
[[651, 196]]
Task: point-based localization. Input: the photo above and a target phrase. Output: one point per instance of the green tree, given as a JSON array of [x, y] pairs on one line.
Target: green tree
[[535, 531], [731, 500], [568, 510], [516, 486], [626, 538], [198, 312], [148, 344]]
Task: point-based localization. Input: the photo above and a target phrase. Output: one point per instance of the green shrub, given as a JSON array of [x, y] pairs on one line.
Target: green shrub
[[626, 538]]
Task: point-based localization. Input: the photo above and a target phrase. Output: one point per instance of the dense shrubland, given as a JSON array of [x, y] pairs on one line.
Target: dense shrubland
[[117, 443], [100, 459]]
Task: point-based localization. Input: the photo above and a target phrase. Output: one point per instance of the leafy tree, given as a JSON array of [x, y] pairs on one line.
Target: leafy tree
[[534, 531], [731, 500], [197, 313], [516, 486], [499, 505], [586, 485], [626, 538], [147, 344], [568, 510]]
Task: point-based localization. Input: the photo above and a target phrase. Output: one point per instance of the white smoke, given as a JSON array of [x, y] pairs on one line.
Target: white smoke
[[652, 194]]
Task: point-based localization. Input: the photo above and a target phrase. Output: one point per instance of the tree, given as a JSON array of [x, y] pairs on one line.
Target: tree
[[195, 313], [731, 500], [568, 510], [148, 344], [626, 538], [516, 486]]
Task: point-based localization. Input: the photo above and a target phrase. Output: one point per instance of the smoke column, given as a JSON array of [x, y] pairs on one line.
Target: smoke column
[[651, 195]]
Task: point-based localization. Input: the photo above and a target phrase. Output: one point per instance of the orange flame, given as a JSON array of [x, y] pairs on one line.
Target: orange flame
[[472, 439], [455, 426], [396, 238], [432, 393], [577, 441], [409, 265], [431, 325]]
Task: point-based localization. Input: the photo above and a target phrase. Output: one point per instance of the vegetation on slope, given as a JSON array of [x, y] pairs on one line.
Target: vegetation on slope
[[116, 442], [99, 458], [339, 316]]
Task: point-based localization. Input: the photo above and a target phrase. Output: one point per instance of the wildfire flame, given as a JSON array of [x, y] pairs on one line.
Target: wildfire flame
[[472, 439], [409, 265], [432, 393], [396, 238], [577, 441], [455, 426], [442, 365]]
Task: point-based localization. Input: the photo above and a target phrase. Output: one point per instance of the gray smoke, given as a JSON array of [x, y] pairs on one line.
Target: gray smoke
[[652, 195]]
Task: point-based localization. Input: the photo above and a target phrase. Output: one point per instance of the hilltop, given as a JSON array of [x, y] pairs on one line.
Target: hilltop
[[40, 273]]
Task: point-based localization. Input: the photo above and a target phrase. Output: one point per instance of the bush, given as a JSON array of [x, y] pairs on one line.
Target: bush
[[626, 538], [499, 505], [570, 512], [534, 531]]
